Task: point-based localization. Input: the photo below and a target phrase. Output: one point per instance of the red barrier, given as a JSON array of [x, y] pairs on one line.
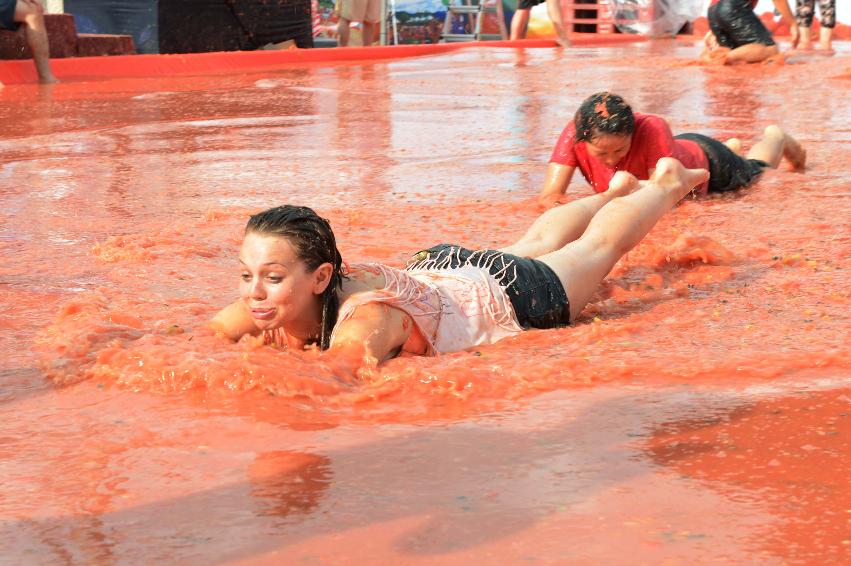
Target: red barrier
[[137, 66]]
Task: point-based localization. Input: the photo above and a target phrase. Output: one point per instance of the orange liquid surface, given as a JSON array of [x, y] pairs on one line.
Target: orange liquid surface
[[698, 412]]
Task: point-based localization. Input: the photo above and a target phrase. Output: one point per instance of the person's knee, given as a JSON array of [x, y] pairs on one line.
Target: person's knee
[[26, 13], [34, 20], [22, 11]]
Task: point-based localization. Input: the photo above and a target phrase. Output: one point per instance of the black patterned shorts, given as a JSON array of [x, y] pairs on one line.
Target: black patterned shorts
[[727, 171], [805, 10], [535, 291]]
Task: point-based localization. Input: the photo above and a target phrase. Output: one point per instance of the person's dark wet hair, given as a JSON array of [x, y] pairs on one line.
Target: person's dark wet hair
[[603, 113], [314, 242]]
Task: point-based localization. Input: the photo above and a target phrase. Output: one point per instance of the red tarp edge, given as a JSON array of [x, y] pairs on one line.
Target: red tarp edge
[[136, 66]]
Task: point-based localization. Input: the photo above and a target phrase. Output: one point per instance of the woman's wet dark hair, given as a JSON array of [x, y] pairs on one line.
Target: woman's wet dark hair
[[603, 113], [314, 242]]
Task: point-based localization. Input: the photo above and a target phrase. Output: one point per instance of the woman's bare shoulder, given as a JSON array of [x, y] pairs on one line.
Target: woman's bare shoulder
[[363, 277]]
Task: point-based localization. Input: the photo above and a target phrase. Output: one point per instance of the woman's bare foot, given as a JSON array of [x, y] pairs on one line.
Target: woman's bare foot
[[716, 56], [676, 179], [622, 183], [735, 145], [794, 153]]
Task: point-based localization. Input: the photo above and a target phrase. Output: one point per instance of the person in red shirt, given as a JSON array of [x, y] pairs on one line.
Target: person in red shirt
[[606, 136], [737, 35]]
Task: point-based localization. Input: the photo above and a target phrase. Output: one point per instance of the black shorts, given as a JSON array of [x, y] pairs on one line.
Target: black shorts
[[533, 288], [727, 171], [7, 15], [734, 24], [528, 4]]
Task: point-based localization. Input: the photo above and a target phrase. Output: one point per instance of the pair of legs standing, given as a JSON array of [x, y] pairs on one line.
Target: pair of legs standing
[[520, 20], [804, 12], [368, 12], [344, 26]]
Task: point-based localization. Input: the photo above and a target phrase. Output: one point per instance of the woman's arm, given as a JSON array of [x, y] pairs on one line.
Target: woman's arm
[[555, 184], [787, 16], [234, 321], [375, 331]]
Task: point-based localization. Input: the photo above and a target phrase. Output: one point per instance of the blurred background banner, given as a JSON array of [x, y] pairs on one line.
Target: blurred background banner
[[187, 26]]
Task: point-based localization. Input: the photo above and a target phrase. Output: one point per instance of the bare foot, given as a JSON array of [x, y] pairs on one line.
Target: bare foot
[[672, 176], [622, 183], [794, 153], [48, 80], [717, 56], [735, 145], [563, 41], [778, 59]]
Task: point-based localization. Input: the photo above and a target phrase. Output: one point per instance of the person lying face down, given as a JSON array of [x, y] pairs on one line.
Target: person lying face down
[[606, 136], [737, 35], [295, 291]]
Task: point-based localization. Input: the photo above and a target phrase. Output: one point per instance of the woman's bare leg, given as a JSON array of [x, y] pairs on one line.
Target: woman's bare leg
[[776, 144], [519, 23], [554, 12], [31, 14], [751, 53], [825, 41], [558, 226], [617, 228], [806, 41]]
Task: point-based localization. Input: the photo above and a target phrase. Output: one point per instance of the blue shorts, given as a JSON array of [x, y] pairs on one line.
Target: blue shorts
[[535, 291], [7, 15]]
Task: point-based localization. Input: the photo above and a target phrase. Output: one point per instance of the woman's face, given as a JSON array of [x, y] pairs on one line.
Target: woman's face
[[277, 287], [609, 148]]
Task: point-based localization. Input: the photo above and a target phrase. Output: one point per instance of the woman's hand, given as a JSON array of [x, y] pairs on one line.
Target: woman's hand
[[551, 200], [555, 185], [343, 370], [796, 35]]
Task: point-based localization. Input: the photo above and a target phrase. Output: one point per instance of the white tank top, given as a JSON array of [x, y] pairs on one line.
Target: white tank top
[[454, 309]]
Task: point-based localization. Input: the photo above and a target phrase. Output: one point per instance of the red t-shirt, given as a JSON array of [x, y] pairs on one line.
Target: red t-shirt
[[651, 140]]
